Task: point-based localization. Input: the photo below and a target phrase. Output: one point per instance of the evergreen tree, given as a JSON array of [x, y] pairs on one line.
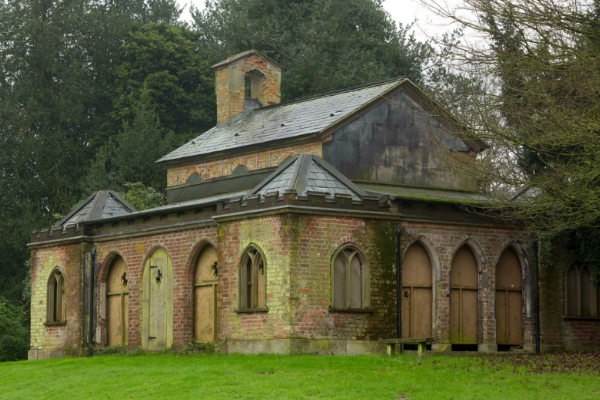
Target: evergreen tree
[[323, 45], [130, 156], [56, 58]]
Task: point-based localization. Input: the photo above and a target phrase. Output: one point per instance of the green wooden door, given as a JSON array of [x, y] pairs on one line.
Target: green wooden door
[[157, 335], [157, 302]]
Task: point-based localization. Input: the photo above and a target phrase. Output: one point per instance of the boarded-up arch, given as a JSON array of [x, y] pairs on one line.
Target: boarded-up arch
[[464, 305], [205, 292], [416, 293], [509, 299], [117, 303]]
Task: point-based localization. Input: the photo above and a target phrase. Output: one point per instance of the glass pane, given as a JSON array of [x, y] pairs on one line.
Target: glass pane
[[261, 295], [586, 292], [249, 277], [572, 295], [339, 282], [355, 283]]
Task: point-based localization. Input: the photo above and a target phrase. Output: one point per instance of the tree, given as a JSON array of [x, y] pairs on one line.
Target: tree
[[130, 156], [55, 60], [539, 59], [323, 45], [168, 61]]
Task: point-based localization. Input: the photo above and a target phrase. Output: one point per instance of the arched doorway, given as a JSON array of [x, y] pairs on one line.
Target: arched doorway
[[117, 303], [205, 292], [157, 302], [463, 298], [416, 293], [509, 299]]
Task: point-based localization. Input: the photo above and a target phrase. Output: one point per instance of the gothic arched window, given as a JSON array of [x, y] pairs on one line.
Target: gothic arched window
[[252, 282], [350, 279], [55, 305], [580, 292]]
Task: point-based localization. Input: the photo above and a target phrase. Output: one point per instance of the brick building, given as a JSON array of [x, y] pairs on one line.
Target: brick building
[[282, 232]]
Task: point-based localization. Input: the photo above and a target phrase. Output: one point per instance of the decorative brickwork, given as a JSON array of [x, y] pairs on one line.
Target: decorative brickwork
[[252, 161]]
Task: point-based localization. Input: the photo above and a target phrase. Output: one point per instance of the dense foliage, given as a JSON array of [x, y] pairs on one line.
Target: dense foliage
[[539, 59], [323, 45], [168, 62]]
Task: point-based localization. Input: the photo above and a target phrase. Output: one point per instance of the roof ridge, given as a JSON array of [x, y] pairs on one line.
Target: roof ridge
[[332, 93]]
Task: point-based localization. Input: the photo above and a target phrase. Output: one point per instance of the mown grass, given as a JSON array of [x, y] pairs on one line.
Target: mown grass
[[172, 376]]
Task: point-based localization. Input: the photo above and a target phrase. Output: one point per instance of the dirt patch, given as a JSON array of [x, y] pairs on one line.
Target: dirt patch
[[588, 361]]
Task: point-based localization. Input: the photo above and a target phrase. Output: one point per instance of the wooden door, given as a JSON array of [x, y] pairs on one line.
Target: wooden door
[[416, 293], [157, 302], [464, 298], [205, 292], [117, 304], [509, 299]]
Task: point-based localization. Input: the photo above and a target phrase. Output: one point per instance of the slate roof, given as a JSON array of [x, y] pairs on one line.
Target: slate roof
[[244, 55], [283, 121], [307, 173], [100, 205]]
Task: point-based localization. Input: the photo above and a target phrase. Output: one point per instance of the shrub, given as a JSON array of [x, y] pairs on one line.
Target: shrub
[[14, 335]]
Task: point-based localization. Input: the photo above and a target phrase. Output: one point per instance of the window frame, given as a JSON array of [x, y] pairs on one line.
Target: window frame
[[365, 277], [253, 254], [578, 267], [57, 284]]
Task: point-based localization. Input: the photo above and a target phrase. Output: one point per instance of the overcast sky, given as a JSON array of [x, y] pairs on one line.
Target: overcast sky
[[404, 11]]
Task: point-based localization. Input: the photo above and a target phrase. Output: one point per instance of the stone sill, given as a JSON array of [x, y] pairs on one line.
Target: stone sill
[[251, 310], [352, 310], [583, 318], [55, 323]]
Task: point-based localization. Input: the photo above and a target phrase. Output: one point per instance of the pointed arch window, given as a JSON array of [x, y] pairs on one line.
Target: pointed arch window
[[580, 292], [350, 279], [55, 304], [252, 281]]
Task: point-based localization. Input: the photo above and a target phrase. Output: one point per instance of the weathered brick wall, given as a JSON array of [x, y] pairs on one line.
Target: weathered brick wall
[[69, 258], [316, 239], [252, 161], [182, 247], [554, 328], [270, 236], [487, 244], [298, 250]]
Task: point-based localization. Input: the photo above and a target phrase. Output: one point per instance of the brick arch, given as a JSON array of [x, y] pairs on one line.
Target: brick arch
[[343, 241], [107, 262], [151, 252], [255, 71], [62, 272], [481, 263], [258, 247], [476, 249], [434, 256], [193, 257], [526, 272]]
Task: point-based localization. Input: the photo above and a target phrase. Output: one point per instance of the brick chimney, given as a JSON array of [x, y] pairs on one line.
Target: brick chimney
[[265, 79]]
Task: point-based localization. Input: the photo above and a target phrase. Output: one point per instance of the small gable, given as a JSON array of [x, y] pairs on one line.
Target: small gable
[[306, 173], [100, 205]]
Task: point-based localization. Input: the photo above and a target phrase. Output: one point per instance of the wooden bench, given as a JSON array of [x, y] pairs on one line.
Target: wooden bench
[[421, 342]]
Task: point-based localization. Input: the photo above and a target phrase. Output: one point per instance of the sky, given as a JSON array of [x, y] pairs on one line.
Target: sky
[[404, 11]]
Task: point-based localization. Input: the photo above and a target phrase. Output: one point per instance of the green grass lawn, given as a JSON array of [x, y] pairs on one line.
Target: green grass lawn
[[171, 376]]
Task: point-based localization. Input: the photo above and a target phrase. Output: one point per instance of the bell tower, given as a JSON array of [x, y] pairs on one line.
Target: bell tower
[[264, 76]]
